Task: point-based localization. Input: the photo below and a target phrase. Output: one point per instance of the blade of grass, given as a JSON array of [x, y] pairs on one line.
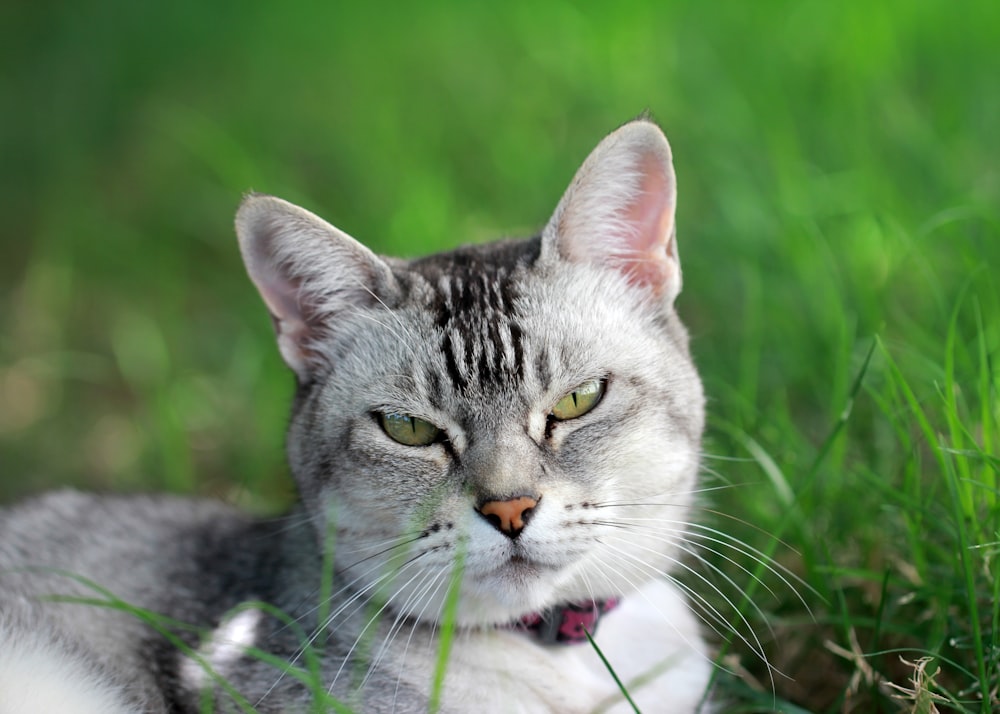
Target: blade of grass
[[959, 512], [611, 671], [448, 622]]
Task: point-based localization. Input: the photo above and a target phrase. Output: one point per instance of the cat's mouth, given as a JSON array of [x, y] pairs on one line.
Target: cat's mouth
[[520, 571], [519, 565]]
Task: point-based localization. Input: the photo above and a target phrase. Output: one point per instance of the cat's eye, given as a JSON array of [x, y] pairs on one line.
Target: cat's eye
[[580, 401], [409, 430]]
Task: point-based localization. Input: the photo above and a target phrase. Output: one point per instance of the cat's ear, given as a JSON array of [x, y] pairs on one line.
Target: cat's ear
[[619, 211], [308, 273]]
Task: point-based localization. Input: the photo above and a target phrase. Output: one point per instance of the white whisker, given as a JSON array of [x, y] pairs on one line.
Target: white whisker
[[755, 645], [392, 576], [439, 580], [621, 576], [427, 579]]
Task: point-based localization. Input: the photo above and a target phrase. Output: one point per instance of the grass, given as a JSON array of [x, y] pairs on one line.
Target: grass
[[838, 225]]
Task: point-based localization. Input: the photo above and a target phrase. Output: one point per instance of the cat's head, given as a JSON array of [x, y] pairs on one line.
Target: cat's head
[[528, 408]]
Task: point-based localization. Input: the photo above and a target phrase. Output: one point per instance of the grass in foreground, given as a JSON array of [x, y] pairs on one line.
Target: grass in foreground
[[895, 520]]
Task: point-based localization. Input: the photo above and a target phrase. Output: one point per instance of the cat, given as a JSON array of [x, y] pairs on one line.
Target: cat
[[496, 450]]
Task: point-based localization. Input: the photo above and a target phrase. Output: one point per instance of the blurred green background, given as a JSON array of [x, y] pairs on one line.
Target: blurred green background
[[839, 174]]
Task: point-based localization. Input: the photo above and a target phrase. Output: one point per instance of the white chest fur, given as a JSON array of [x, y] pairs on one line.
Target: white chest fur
[[651, 640]]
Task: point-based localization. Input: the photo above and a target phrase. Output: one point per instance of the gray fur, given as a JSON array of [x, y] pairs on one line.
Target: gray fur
[[481, 342]]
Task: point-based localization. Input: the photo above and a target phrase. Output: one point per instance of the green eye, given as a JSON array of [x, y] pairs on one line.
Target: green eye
[[580, 401], [409, 430]]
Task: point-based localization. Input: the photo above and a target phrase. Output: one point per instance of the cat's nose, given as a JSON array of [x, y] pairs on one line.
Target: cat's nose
[[509, 516]]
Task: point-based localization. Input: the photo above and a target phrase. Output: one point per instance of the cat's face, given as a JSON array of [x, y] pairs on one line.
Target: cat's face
[[528, 409]]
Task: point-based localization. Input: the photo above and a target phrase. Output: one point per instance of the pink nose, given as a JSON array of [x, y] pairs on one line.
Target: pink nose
[[510, 516]]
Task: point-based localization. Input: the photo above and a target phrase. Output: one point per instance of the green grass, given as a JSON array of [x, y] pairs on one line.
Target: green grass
[[839, 226]]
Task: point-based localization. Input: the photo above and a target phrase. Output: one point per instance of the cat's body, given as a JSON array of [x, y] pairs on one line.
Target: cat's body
[[516, 425]]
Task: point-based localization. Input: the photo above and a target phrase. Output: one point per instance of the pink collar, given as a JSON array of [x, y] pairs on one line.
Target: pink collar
[[566, 624]]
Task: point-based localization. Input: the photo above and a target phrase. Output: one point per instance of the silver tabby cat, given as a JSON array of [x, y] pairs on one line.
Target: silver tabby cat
[[496, 449]]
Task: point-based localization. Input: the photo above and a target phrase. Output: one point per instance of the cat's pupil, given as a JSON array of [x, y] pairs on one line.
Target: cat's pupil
[[580, 401]]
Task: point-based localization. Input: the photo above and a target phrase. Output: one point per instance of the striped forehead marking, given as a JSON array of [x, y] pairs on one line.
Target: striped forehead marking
[[481, 340]]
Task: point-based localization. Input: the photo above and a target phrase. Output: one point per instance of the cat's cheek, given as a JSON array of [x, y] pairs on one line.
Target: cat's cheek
[[376, 503]]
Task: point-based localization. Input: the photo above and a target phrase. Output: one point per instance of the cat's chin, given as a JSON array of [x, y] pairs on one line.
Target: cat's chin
[[516, 587], [520, 572]]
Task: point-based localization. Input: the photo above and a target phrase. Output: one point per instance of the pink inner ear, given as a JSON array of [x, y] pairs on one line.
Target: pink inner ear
[[649, 258], [282, 296]]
